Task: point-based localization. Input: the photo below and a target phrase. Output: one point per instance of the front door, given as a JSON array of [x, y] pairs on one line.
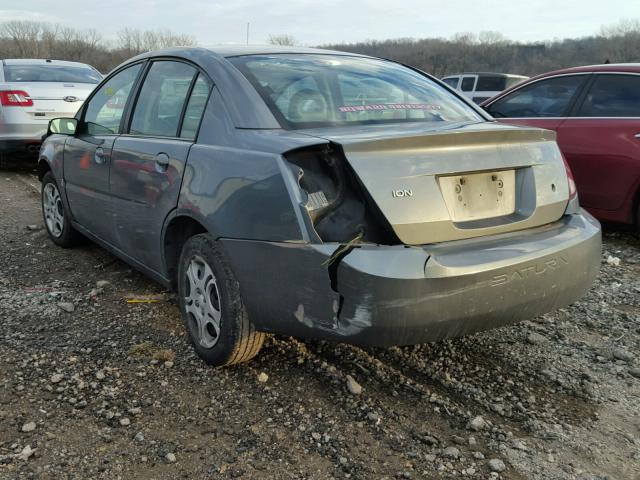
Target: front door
[[87, 155], [602, 144], [148, 161]]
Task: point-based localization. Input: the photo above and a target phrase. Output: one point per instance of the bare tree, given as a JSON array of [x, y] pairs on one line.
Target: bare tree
[[285, 40], [486, 51], [137, 41]]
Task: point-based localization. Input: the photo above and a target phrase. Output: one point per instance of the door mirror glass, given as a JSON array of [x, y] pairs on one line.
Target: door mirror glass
[[63, 126]]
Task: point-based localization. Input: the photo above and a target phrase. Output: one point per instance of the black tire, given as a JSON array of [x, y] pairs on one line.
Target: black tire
[[236, 340], [62, 233]]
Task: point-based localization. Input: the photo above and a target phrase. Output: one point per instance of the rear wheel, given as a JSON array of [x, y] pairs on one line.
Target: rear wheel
[[56, 219], [212, 309]]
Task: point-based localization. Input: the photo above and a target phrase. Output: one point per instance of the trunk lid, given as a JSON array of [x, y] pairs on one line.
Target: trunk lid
[[456, 182], [52, 99]]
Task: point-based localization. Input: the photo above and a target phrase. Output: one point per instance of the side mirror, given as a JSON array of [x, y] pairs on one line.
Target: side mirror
[[62, 126]]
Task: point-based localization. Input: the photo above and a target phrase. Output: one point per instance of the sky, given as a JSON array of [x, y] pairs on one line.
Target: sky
[[331, 21]]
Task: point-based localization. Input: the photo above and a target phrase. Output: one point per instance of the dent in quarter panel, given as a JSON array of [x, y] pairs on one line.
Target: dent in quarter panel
[[238, 194]]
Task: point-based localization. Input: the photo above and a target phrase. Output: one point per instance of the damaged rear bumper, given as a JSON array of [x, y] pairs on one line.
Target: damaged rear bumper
[[397, 295]]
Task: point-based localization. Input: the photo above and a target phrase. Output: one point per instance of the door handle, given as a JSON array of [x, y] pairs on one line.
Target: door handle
[[99, 156], [162, 162], [637, 135]]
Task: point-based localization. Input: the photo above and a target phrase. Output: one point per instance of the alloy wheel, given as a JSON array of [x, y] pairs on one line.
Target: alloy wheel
[[202, 302], [53, 210]]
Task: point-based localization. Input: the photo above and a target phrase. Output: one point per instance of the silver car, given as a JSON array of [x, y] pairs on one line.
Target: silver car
[[32, 92], [317, 194]]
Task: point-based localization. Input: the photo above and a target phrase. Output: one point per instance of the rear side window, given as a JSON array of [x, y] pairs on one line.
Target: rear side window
[[162, 98], [50, 73], [612, 96], [467, 84], [195, 108], [491, 83], [545, 98], [106, 107]]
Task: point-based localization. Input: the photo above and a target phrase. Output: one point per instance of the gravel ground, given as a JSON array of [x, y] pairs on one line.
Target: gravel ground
[[94, 387]]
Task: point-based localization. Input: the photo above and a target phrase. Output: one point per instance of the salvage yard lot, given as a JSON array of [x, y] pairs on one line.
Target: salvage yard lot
[[113, 390]]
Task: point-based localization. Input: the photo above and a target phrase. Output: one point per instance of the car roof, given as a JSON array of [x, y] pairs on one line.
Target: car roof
[[240, 50], [606, 67], [495, 74], [42, 61]]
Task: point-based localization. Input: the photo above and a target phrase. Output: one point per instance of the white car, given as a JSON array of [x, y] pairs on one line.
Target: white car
[[482, 86], [34, 91]]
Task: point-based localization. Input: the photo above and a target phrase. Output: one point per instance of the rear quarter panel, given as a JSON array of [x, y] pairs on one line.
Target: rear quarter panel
[[238, 194]]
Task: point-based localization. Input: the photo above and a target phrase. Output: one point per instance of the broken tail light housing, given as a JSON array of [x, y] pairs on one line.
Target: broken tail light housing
[[15, 98], [337, 204]]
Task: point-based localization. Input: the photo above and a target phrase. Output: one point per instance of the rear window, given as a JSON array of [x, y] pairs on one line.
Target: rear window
[[327, 90], [50, 73]]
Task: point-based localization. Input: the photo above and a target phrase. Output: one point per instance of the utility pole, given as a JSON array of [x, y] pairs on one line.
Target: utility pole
[[247, 33]]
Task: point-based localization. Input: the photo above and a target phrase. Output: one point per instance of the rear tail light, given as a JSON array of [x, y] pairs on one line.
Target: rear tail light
[[15, 98], [572, 183]]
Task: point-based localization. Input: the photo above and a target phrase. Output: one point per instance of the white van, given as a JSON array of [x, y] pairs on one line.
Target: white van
[[482, 86]]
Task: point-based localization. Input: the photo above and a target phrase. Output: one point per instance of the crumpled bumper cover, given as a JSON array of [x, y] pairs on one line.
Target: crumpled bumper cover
[[397, 295]]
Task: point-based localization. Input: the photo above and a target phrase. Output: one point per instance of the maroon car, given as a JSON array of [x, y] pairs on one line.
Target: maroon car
[[595, 111]]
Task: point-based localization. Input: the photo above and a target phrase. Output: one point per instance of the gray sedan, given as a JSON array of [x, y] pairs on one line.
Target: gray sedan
[[317, 194]]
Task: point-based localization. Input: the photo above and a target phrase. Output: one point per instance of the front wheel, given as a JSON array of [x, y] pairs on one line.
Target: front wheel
[[56, 218], [212, 309]]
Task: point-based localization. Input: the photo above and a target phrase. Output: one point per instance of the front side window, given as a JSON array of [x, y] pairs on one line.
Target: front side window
[[162, 97], [612, 96], [312, 90], [106, 107], [545, 98], [51, 73]]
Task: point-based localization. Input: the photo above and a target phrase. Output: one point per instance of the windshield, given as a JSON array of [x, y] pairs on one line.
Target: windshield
[[306, 91], [50, 73]]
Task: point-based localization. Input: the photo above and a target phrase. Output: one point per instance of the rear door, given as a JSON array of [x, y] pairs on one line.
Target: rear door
[[149, 160], [88, 154], [602, 142], [544, 103]]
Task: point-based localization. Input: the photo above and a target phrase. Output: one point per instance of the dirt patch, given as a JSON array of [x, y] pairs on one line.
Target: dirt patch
[[115, 391]]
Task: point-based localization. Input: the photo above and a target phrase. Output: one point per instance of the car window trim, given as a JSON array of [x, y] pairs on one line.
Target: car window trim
[[80, 116], [567, 110], [206, 104], [593, 80], [126, 128], [187, 99]]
